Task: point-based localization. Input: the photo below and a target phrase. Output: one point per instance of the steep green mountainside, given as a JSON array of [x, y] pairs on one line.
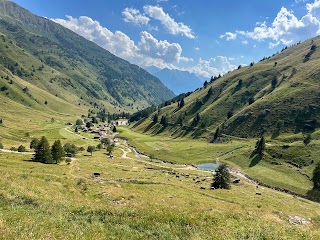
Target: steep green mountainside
[[277, 95], [70, 67]]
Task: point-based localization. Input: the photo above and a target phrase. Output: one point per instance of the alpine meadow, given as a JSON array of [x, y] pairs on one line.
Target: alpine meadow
[[93, 146]]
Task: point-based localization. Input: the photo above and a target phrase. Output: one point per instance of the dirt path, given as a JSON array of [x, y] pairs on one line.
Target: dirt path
[[16, 152]]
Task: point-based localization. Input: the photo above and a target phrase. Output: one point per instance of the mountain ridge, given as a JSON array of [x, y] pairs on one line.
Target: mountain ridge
[[96, 74]]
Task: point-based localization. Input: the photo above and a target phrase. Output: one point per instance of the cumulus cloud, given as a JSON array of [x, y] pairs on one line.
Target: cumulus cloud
[[229, 36], [286, 28], [148, 51], [134, 16], [150, 46], [212, 66], [174, 28]]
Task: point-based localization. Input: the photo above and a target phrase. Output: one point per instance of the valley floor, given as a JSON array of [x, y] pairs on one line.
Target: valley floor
[[133, 197]]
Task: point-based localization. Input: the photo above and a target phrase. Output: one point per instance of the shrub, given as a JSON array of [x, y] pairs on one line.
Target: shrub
[[21, 148]]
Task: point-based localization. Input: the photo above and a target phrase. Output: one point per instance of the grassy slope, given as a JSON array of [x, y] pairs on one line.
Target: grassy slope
[[294, 100], [74, 68], [136, 200], [273, 170]]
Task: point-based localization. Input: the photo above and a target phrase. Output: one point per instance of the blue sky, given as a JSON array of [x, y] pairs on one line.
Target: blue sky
[[203, 37]]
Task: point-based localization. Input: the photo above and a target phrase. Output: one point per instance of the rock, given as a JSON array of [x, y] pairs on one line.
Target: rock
[[105, 194], [237, 180], [96, 174], [298, 220], [203, 188], [257, 193]]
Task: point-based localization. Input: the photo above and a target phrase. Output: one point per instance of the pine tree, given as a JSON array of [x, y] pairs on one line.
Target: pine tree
[[155, 118], [221, 178], [42, 152], [316, 177], [181, 103], [34, 143], [57, 151], [260, 146], [210, 91], [216, 134]]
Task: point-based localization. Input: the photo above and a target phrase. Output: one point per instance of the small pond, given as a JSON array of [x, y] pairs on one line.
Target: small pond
[[208, 166]]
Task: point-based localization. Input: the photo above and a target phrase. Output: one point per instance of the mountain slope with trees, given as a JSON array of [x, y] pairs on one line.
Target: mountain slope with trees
[[70, 67], [277, 95]]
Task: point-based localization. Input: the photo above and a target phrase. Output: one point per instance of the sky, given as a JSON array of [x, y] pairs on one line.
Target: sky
[[205, 37]]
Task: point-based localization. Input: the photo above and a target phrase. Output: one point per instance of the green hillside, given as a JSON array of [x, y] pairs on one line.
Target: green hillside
[[280, 94], [70, 67], [277, 97]]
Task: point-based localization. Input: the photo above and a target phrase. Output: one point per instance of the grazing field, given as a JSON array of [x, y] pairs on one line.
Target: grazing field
[[135, 198], [278, 168]]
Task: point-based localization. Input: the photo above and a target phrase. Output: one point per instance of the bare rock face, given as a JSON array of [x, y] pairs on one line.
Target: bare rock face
[[299, 220]]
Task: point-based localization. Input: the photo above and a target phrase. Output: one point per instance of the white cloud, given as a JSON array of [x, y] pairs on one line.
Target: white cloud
[[148, 51], [286, 28], [245, 42], [229, 36], [134, 16], [174, 28], [196, 49], [212, 66], [150, 46], [162, 1]]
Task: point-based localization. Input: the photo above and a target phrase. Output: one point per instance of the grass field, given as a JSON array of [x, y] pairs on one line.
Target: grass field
[[138, 199], [236, 152]]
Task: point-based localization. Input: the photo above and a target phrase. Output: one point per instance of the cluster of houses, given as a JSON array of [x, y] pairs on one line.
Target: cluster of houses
[[102, 131]]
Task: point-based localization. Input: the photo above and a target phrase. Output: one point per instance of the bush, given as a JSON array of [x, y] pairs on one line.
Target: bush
[[21, 148], [91, 149], [14, 149]]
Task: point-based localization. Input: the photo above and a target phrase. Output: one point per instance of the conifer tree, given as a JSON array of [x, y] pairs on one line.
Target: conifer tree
[[260, 146], [221, 178], [57, 152], [42, 152], [316, 177], [181, 103], [34, 143], [155, 118]]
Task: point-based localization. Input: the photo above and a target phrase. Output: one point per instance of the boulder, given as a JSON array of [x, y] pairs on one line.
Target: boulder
[[299, 220]]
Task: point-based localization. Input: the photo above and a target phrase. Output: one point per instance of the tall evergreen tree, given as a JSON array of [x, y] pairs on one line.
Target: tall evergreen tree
[[181, 103], [210, 91], [221, 178], [42, 152], [57, 151], [260, 146], [316, 177], [155, 118], [34, 143]]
